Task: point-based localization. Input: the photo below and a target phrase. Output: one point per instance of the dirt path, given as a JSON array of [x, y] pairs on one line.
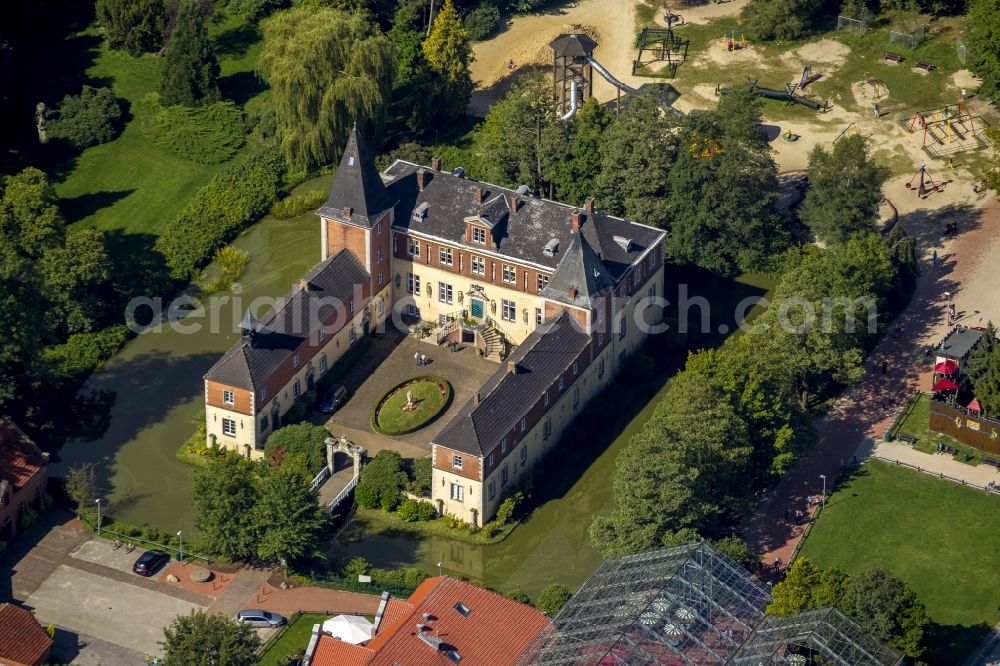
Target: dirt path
[[966, 268]]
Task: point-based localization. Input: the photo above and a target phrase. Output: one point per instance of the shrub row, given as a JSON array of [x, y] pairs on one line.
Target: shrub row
[[82, 352], [296, 204], [237, 194], [206, 134]]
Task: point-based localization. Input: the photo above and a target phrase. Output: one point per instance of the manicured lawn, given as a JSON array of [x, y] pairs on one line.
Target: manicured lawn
[[917, 423], [430, 397], [938, 536], [293, 639]]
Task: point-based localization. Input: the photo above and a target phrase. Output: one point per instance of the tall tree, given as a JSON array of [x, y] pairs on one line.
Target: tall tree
[[81, 486], [190, 68], [288, 516], [886, 608], [805, 587], [327, 69], [224, 495], [133, 25], [845, 189], [30, 219], [979, 357], [208, 639], [449, 53], [984, 46], [580, 166], [987, 381], [779, 19], [77, 282]]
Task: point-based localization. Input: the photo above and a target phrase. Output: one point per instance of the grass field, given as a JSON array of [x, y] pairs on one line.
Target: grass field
[[917, 423], [938, 536], [128, 185], [292, 639], [431, 400]]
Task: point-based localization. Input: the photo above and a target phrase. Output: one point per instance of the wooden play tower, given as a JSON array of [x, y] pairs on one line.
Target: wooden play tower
[[571, 65]]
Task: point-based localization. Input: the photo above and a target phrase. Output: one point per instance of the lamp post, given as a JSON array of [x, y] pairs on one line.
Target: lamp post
[[439, 568], [180, 546], [823, 476], [98, 502]]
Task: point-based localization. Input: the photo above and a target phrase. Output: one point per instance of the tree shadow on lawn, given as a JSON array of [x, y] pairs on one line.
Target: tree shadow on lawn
[[952, 643], [85, 205], [235, 42], [241, 87]]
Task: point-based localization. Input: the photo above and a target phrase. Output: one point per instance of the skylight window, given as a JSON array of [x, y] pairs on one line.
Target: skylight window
[[462, 609]]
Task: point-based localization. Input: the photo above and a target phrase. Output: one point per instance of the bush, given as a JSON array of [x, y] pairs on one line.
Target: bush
[[505, 512], [366, 495], [420, 476], [518, 596], [87, 119], [232, 262], [356, 566], [83, 352], [297, 204], [482, 21], [778, 19], [409, 152], [385, 476], [237, 195], [552, 598], [301, 444], [426, 511], [206, 134], [412, 510]]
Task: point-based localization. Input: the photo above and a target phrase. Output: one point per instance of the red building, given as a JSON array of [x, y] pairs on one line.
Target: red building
[[23, 477], [445, 621], [23, 642]]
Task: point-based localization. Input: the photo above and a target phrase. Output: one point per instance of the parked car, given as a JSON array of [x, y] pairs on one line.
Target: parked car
[[150, 562], [333, 399], [260, 618]]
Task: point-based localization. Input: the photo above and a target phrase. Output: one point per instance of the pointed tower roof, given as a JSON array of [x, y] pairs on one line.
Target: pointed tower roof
[[358, 193], [580, 276], [249, 324]]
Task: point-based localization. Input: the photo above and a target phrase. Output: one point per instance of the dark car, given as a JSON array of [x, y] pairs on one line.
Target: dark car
[[260, 618], [333, 399], [150, 562]]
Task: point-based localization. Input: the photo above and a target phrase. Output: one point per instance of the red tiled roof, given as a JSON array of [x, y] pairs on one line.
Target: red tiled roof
[[395, 610], [22, 640], [331, 652], [20, 459], [495, 631]]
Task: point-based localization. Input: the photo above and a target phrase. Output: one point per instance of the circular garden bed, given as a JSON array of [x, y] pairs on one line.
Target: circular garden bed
[[392, 415]]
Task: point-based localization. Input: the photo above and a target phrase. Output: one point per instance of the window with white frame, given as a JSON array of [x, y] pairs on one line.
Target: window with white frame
[[322, 336], [479, 235], [562, 383], [503, 446], [490, 460], [412, 311], [444, 255], [456, 462], [413, 247], [412, 283], [538, 316], [478, 265], [524, 423], [504, 477], [545, 399], [295, 360], [322, 363], [229, 397], [600, 368], [296, 389], [229, 427], [576, 396], [378, 228], [379, 254], [509, 274], [380, 307], [444, 292], [352, 335], [458, 492], [508, 310], [576, 367], [381, 278], [263, 394], [542, 281], [350, 306]]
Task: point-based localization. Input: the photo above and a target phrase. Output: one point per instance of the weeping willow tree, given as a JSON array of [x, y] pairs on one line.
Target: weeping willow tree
[[327, 68]]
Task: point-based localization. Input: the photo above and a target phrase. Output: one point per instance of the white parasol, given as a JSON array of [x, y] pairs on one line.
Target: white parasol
[[352, 629]]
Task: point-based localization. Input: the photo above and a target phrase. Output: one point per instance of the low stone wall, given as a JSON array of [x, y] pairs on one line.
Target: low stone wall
[[965, 426]]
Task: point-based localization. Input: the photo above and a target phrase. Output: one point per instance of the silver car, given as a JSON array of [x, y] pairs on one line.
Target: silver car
[[333, 399], [260, 618]]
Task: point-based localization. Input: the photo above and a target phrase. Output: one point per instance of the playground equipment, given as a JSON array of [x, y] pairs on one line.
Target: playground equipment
[[807, 77], [926, 184], [947, 130], [789, 136], [673, 19], [574, 95], [879, 89], [661, 45], [788, 95], [850, 130], [734, 41]]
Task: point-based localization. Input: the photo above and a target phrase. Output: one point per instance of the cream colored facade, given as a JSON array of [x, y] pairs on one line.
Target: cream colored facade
[[251, 432]]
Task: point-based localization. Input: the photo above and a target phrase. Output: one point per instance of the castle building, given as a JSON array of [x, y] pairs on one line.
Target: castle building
[[559, 296]]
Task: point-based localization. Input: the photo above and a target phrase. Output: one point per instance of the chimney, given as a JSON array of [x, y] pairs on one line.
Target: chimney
[[512, 367], [588, 205], [571, 292], [422, 178], [479, 194], [475, 399], [575, 223], [515, 203], [436, 163], [348, 210]]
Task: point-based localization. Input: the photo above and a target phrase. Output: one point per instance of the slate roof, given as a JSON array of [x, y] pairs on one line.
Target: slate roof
[[250, 361], [22, 639], [959, 342], [581, 271], [521, 235], [575, 44], [20, 458], [505, 397], [357, 186]]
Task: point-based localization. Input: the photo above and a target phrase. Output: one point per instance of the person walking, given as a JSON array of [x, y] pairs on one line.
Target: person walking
[[416, 357], [423, 360], [934, 259], [885, 366], [149, 659]]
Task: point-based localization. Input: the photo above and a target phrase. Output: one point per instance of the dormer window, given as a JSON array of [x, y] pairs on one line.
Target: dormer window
[[295, 360], [420, 212], [479, 235]]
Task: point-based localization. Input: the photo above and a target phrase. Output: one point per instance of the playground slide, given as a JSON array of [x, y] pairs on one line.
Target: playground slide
[[786, 96], [610, 78], [572, 102]]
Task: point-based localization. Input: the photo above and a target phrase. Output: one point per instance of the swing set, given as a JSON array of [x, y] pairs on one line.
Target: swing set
[[925, 185], [734, 41], [947, 130]]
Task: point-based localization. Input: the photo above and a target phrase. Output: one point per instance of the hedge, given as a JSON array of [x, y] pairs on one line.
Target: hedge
[[237, 195], [206, 134]]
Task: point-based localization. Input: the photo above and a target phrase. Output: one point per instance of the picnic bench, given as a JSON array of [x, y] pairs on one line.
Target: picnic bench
[[990, 461], [924, 65], [909, 439], [893, 57]]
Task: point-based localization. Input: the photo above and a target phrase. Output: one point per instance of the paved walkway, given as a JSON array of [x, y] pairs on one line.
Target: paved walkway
[[312, 600], [233, 597], [978, 475], [861, 415]]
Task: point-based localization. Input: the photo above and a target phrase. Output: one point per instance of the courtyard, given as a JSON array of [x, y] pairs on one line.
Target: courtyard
[[389, 362]]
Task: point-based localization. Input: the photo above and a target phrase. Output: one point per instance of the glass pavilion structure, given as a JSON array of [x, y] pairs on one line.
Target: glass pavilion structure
[[690, 605]]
